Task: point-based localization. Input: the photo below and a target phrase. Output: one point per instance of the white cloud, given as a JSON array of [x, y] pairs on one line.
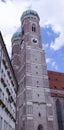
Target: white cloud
[[59, 42], [50, 12], [10, 13], [8, 45], [52, 63], [48, 60], [45, 45]]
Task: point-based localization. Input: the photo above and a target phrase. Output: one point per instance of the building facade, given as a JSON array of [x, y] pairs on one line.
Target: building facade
[[8, 85], [34, 103], [56, 84]]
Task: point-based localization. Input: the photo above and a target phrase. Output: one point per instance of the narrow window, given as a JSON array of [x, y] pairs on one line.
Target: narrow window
[[59, 115], [38, 95], [39, 114], [37, 81], [23, 31], [33, 28], [36, 72], [0, 123]]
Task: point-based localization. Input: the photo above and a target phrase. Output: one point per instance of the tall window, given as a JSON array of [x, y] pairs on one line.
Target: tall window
[[0, 123], [33, 28], [59, 115], [23, 31]]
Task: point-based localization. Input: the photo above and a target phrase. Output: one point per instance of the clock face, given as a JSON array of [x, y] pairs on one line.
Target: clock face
[[34, 40]]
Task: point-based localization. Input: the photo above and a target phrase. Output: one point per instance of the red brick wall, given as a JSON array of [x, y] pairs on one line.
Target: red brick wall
[[56, 82]]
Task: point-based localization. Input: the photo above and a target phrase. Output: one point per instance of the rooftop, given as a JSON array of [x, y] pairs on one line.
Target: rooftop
[[29, 12], [16, 34]]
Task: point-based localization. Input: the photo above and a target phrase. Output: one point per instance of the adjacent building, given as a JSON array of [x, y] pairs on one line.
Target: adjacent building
[[8, 87], [56, 84]]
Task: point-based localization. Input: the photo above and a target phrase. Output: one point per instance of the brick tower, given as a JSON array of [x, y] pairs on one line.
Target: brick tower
[[34, 107]]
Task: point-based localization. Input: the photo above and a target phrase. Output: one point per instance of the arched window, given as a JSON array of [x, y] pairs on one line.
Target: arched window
[[59, 115], [23, 31], [33, 28], [40, 127]]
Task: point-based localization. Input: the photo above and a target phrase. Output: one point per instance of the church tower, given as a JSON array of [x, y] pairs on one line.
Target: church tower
[[34, 107]]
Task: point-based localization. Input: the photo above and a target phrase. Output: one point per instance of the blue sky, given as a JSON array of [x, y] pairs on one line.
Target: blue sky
[[51, 22], [54, 58]]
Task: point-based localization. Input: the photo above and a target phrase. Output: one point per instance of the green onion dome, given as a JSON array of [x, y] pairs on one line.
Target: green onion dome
[[29, 12], [16, 35]]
